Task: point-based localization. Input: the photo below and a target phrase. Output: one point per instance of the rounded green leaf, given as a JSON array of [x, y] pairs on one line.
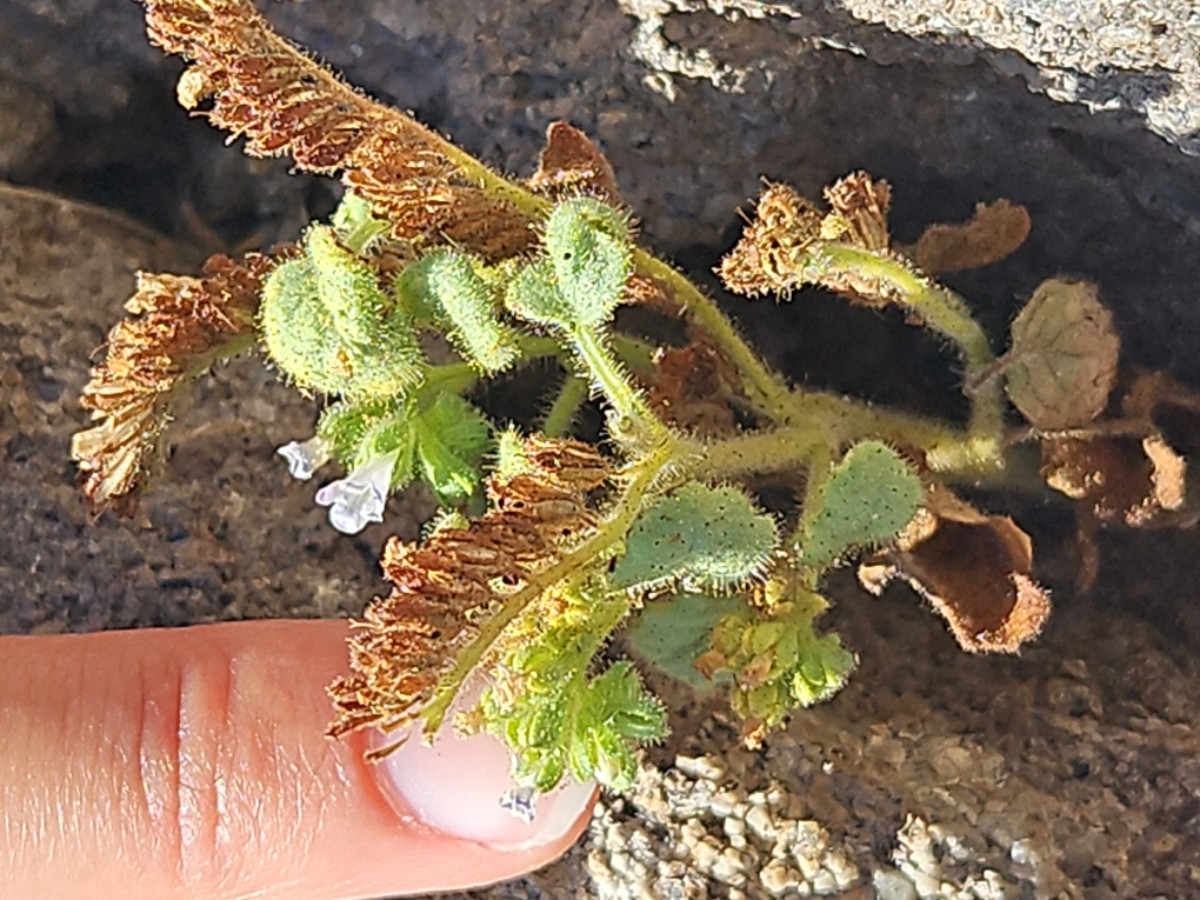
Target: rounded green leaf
[[587, 243], [297, 329], [699, 537], [871, 494]]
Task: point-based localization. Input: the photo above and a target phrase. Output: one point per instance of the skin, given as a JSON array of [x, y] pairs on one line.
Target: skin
[[191, 763]]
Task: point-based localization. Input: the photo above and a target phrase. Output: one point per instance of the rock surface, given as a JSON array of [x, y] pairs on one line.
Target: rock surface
[[1071, 771]]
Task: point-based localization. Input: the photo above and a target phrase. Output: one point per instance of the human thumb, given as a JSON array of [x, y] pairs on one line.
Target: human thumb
[[180, 763]]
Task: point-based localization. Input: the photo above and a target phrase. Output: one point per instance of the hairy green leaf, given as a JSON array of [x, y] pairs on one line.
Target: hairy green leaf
[[587, 243], [699, 537], [447, 281], [672, 632], [451, 437], [871, 494]]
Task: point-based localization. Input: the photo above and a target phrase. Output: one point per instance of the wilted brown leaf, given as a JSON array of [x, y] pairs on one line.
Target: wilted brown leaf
[[571, 163], [992, 233], [973, 568], [1169, 407], [692, 389], [1062, 362], [1126, 478]]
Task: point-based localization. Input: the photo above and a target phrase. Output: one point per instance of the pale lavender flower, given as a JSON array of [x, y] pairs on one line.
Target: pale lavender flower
[[303, 459], [521, 802], [359, 498]]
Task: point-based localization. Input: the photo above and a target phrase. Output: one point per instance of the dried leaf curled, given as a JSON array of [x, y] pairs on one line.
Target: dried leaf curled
[[571, 163], [1123, 478], [992, 233], [973, 568], [1062, 363], [693, 390]]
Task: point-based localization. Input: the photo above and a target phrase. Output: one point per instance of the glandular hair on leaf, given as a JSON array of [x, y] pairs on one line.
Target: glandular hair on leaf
[[297, 330], [700, 537], [871, 494], [587, 244], [448, 282]]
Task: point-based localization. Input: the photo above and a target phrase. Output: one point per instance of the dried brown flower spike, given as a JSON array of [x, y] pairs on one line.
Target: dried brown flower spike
[[406, 640], [283, 103], [177, 328]]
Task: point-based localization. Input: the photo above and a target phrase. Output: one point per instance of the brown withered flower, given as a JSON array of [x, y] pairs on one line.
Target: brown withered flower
[[859, 207], [972, 567], [769, 257], [176, 328], [445, 584], [780, 249]]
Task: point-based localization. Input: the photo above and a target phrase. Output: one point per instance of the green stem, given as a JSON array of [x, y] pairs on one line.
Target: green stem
[[940, 310], [777, 450], [765, 388], [637, 354], [571, 395], [607, 536], [625, 399]]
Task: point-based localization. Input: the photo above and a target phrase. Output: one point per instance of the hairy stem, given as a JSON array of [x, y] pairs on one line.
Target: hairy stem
[[624, 398], [608, 535], [571, 395], [940, 310], [766, 388]]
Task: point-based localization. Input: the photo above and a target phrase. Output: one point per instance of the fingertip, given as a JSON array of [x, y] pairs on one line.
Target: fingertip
[[461, 787]]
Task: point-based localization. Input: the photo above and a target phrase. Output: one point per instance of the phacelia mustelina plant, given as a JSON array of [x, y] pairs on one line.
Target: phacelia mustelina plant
[[549, 543]]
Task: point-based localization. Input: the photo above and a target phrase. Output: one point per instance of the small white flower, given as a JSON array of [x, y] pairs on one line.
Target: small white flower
[[303, 459], [359, 498], [521, 802]]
